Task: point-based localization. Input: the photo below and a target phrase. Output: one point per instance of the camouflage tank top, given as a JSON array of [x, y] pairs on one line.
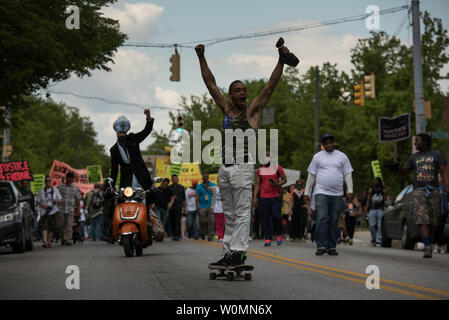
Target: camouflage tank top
[[238, 140]]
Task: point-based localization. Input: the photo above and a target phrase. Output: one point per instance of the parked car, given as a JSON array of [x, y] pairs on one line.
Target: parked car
[[399, 221], [16, 219]]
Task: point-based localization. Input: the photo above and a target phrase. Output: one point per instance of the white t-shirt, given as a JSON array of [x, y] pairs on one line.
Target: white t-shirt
[[191, 199], [330, 168], [218, 207], [45, 196], [82, 211]]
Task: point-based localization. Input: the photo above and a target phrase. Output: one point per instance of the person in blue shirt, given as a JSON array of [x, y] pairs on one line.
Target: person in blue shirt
[[204, 195]]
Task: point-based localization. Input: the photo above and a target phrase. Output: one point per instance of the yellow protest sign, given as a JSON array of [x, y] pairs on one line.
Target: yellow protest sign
[[376, 169]]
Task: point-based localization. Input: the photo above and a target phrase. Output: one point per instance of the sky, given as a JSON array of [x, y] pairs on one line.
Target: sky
[[141, 75]]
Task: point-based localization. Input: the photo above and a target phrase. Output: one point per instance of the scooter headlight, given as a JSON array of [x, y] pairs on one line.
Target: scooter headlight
[[128, 192]]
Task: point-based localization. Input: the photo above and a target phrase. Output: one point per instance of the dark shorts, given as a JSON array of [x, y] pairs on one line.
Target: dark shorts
[[427, 210], [48, 223]]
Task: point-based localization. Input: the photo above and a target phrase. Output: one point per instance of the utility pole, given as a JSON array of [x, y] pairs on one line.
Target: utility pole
[[317, 110], [417, 70]]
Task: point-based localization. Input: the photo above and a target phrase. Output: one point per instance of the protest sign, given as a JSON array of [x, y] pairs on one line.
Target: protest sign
[[15, 171], [59, 171], [38, 183], [394, 129], [94, 174]]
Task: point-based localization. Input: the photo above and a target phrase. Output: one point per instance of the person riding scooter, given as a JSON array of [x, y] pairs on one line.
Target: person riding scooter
[[126, 154]]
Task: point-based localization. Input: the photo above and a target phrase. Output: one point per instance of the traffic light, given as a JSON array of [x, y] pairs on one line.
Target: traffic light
[[175, 67], [179, 122], [370, 88], [359, 94]]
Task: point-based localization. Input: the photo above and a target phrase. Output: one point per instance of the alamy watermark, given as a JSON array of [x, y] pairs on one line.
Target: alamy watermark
[[373, 21], [73, 20], [256, 146], [73, 280], [373, 280]]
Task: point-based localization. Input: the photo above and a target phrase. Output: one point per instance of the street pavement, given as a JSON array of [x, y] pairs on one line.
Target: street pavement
[[178, 271]]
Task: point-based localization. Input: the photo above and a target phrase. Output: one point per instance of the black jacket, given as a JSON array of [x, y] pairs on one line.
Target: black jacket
[[137, 165]]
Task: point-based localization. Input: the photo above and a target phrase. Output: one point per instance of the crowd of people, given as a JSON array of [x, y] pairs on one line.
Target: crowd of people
[[65, 216]]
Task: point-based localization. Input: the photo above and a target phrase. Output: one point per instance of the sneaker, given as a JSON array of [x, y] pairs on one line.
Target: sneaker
[[350, 242], [332, 252], [49, 245], [320, 251], [427, 252], [267, 243], [238, 258], [224, 262], [279, 240], [436, 250]]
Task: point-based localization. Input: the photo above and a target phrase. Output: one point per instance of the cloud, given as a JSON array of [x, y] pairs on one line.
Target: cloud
[[312, 47], [167, 97], [137, 20]]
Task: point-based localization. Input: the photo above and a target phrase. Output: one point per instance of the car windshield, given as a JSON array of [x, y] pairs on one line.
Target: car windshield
[[405, 191], [7, 198]]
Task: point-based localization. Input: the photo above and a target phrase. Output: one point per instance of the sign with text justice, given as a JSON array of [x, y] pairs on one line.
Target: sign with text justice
[[394, 129], [15, 171]]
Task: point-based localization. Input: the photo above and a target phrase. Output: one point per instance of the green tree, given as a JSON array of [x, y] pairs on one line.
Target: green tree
[[36, 47], [43, 131]]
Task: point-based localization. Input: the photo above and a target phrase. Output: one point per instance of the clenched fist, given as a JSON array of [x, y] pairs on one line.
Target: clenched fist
[[199, 50]]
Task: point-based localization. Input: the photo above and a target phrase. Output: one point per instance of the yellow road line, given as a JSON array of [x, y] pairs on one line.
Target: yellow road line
[[335, 275], [303, 265], [436, 291]]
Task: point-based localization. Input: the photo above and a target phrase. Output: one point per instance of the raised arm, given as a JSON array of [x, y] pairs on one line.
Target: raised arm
[[142, 135], [264, 96], [209, 80]]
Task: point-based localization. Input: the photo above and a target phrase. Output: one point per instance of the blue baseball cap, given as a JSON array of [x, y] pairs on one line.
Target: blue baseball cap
[[327, 136]]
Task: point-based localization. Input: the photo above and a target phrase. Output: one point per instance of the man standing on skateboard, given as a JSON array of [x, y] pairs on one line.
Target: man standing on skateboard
[[236, 179]]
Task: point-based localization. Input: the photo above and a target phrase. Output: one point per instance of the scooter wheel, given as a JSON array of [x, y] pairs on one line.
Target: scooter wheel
[[128, 246]]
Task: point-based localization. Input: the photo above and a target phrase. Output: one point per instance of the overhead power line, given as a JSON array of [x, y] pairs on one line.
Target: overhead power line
[[210, 42], [140, 106]]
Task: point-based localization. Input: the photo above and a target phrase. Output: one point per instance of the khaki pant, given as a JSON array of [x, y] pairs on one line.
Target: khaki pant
[[207, 222], [68, 226]]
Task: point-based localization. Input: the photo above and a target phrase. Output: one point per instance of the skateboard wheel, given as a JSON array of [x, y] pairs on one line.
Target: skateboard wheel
[[212, 276], [229, 276], [247, 276]]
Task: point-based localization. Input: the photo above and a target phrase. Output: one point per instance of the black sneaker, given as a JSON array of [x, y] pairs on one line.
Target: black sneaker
[[238, 258], [222, 263], [332, 252], [427, 252], [320, 251]]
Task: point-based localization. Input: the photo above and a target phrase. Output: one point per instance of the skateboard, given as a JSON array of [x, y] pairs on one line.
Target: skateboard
[[231, 273]]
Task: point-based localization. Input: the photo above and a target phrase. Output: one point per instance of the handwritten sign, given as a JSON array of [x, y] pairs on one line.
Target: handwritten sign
[[376, 169], [394, 129], [38, 183], [15, 171], [59, 171], [94, 174]]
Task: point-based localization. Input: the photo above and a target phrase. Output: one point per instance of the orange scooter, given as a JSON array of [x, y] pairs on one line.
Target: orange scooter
[[130, 224]]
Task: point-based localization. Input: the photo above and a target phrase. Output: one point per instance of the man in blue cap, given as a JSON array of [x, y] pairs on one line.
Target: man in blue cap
[[328, 169]]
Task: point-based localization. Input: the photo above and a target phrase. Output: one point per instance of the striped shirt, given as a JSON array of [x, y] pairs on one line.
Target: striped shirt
[[69, 194]]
